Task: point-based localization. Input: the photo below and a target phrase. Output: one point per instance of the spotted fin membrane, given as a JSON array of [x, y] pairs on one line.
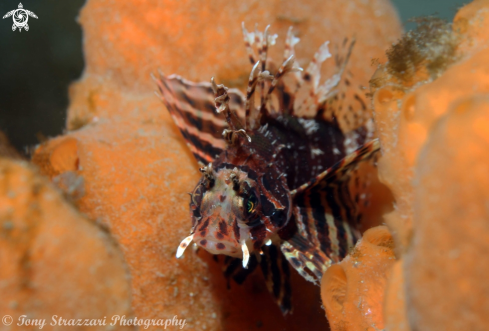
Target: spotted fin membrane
[[279, 163]]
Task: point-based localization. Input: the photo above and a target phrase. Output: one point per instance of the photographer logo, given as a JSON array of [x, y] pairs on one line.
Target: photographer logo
[[20, 17]]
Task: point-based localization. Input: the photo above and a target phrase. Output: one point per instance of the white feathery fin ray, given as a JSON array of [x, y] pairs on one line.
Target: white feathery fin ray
[[221, 94], [255, 76], [315, 66], [312, 73], [250, 100], [258, 40], [289, 50], [290, 42], [259, 74], [223, 103], [286, 67], [262, 41], [183, 245], [249, 39], [265, 42], [263, 58], [327, 88], [272, 39], [307, 103], [264, 49]]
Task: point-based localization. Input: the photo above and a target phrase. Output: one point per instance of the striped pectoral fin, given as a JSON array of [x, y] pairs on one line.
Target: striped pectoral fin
[[321, 239], [328, 202], [307, 258], [331, 198], [276, 271], [326, 215], [192, 107]]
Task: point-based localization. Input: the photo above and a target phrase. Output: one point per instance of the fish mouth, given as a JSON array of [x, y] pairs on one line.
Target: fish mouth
[[218, 239], [215, 246]]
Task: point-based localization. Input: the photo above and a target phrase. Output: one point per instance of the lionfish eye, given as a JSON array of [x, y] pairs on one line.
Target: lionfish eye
[[251, 204]]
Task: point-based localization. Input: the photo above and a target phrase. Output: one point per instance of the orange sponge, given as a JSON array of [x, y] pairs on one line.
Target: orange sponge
[[353, 290], [433, 125], [54, 260]]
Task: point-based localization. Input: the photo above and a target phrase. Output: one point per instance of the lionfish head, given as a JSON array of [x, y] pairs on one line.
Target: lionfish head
[[229, 209]]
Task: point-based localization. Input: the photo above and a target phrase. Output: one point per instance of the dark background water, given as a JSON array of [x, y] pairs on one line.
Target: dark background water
[[36, 67]]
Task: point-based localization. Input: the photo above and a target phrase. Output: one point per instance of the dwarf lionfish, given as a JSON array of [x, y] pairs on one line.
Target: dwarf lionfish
[[277, 177]]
